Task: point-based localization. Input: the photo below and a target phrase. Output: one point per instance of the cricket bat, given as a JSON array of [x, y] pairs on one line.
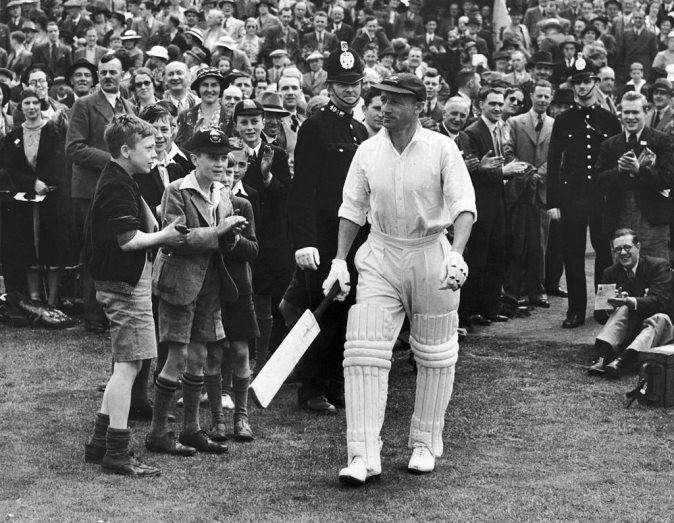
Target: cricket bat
[[292, 348]]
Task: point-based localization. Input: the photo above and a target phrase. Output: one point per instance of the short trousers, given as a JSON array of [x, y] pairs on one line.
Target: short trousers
[[239, 319], [131, 321], [200, 320]]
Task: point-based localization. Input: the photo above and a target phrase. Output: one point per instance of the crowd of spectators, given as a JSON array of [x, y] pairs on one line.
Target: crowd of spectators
[[525, 89]]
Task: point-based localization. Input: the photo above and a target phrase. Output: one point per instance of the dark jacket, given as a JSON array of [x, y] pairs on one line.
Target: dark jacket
[[648, 185], [574, 147], [245, 251], [152, 187], [117, 207], [187, 120], [652, 275]]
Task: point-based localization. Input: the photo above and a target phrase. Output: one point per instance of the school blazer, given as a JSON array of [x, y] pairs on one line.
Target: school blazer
[[178, 274]]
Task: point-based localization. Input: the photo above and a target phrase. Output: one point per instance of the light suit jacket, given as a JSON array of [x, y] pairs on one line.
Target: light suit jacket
[[178, 274], [665, 120], [524, 145]]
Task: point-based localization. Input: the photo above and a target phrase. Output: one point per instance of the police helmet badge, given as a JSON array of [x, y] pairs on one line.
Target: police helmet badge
[[346, 59], [580, 62]]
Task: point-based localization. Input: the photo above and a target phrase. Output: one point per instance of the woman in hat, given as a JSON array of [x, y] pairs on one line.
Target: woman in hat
[[117, 25], [265, 19], [39, 78], [130, 41], [99, 16], [209, 85], [39, 243], [157, 58], [143, 87], [666, 25]]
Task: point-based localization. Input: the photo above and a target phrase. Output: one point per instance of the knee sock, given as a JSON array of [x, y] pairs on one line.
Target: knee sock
[[100, 430], [117, 443], [139, 388], [240, 397], [213, 386], [163, 395], [192, 386], [226, 370]]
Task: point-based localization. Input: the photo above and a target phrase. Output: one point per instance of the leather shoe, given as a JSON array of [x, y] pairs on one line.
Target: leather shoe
[[167, 444], [357, 473], [218, 432], [540, 302], [514, 301], [498, 318], [478, 319], [557, 291], [573, 321], [242, 431], [597, 368], [318, 404], [622, 364], [202, 443], [128, 466]]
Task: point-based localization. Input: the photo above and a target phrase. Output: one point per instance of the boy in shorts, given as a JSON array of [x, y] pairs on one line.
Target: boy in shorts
[[239, 320], [119, 232], [190, 282]]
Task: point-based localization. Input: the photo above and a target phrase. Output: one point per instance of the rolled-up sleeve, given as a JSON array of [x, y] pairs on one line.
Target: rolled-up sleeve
[[457, 186], [356, 193]]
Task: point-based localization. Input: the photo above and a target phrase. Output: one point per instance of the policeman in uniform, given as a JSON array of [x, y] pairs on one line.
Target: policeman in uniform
[[572, 195], [326, 144]]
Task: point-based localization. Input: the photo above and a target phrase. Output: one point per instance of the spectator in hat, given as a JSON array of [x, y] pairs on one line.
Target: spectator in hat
[[472, 32], [265, 18], [130, 41], [519, 75], [283, 36], [209, 85], [30, 30], [100, 15], [501, 62], [386, 61], [57, 56], [661, 116], [250, 42], [315, 80], [226, 47], [636, 82], [81, 76], [665, 26], [193, 19], [157, 58], [91, 51], [411, 16], [14, 18], [577, 28], [147, 27], [279, 58], [75, 22], [637, 45], [117, 23], [516, 32], [274, 112], [564, 68], [20, 57]]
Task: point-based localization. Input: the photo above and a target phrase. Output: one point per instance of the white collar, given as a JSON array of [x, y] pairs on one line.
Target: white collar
[[111, 98], [255, 150], [190, 182], [627, 134], [490, 125], [238, 189], [175, 151]]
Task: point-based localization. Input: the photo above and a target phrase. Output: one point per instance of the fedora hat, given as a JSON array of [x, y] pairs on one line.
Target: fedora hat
[[78, 65], [661, 84], [273, 103], [542, 58]]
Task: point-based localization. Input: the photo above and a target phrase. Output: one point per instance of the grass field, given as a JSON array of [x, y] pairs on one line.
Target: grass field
[[529, 437]]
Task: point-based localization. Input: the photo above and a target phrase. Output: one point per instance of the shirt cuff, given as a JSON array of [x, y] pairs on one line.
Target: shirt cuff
[[352, 214], [460, 206]]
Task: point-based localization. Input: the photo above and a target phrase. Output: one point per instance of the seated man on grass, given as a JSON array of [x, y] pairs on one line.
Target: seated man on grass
[[643, 289], [118, 234]]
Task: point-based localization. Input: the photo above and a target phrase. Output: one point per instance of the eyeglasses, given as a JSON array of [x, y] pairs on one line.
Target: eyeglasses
[[626, 248], [34, 83], [514, 100], [146, 83], [232, 98]]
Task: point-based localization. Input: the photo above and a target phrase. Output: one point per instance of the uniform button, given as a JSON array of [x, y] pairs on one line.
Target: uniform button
[[342, 150], [588, 137], [589, 167], [589, 146], [589, 177], [565, 183], [587, 126], [589, 157]]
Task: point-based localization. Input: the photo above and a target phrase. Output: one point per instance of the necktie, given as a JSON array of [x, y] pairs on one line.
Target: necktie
[[428, 108], [539, 124], [656, 119], [630, 275], [497, 141], [294, 123], [52, 57], [632, 141], [119, 106], [253, 157]]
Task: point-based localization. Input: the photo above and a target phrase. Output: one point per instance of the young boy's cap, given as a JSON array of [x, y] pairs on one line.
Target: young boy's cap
[[212, 141]]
